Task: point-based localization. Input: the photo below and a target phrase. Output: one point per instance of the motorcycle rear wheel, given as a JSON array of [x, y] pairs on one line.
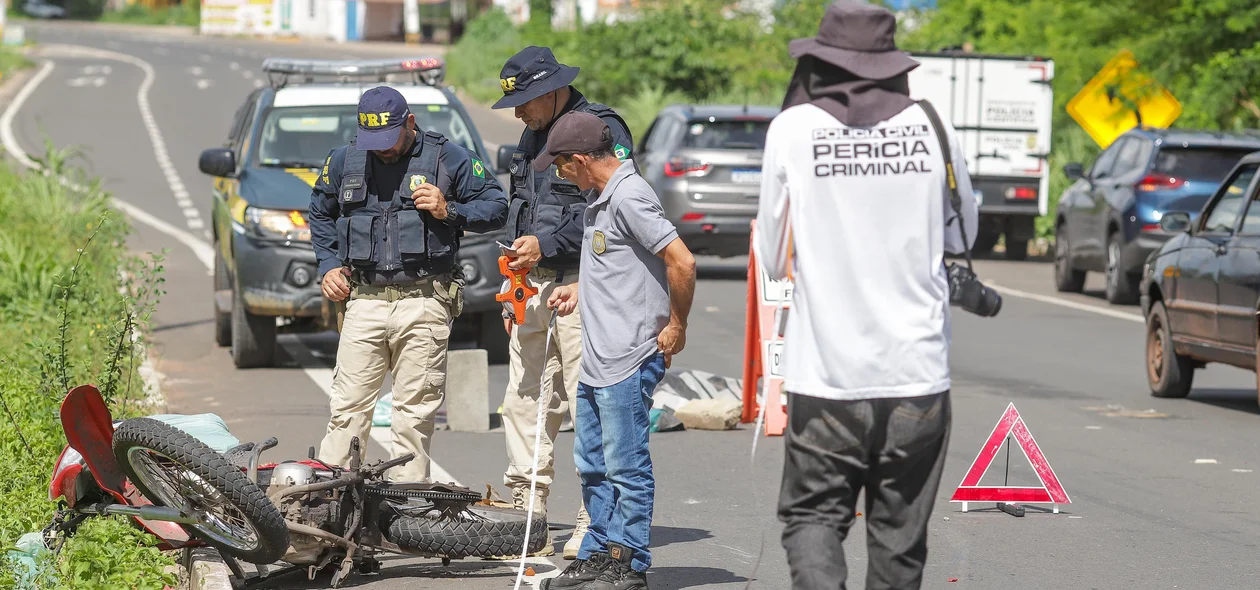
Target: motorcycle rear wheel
[[482, 531], [171, 468]]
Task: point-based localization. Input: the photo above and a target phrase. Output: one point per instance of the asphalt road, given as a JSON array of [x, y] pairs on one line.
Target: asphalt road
[[1163, 492]]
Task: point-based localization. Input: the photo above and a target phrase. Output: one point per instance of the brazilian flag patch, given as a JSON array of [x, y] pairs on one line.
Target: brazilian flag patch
[[479, 169], [620, 151]]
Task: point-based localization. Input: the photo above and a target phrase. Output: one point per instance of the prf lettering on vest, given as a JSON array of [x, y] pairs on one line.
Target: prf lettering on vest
[[871, 152], [374, 119]]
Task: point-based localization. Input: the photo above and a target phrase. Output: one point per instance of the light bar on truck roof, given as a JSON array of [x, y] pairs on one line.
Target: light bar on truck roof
[[280, 70]]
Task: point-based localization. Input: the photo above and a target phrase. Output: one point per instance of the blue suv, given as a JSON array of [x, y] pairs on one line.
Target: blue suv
[[1108, 220]]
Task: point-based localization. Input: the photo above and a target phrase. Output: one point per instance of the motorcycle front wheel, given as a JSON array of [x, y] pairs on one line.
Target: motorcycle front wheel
[[172, 468]]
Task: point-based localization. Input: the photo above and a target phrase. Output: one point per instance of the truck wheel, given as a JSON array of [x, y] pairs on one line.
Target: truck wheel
[[1169, 374], [493, 339], [253, 336], [222, 321], [1066, 278], [1122, 287], [1016, 249]]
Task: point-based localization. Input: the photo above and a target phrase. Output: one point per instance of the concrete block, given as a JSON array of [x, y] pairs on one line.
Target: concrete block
[[710, 414], [206, 570], [468, 390]]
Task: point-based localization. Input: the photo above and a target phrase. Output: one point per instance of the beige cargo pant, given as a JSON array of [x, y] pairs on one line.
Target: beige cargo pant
[[525, 375], [403, 331]]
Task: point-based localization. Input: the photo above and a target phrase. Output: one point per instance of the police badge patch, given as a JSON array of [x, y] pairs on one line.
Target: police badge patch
[[417, 180], [598, 243]]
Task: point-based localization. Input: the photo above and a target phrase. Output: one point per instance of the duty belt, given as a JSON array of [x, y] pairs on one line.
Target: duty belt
[[547, 274], [426, 287]]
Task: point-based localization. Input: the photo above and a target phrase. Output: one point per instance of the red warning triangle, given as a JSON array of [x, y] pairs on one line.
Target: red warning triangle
[[1051, 491]]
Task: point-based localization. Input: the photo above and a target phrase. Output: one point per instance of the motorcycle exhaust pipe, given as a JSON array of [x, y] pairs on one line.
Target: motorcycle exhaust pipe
[[160, 513]]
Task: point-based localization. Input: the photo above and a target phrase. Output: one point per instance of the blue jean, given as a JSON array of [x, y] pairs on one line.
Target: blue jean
[[611, 452]]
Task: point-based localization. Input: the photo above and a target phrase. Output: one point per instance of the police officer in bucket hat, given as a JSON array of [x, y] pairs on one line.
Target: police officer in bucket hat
[[386, 214], [545, 222]]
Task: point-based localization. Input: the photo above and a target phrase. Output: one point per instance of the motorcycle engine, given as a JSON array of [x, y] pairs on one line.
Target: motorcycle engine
[[320, 509]]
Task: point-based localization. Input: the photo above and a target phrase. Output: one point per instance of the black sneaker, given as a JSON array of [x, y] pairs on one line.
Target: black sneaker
[[578, 573], [617, 573]]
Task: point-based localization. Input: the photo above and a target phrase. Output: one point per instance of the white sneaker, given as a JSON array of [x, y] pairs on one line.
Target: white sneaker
[[579, 532]]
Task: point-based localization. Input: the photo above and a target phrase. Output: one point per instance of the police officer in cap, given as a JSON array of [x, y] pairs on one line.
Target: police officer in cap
[[545, 220], [385, 216]]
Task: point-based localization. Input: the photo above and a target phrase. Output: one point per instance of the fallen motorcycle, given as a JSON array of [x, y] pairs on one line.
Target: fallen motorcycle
[[306, 514]]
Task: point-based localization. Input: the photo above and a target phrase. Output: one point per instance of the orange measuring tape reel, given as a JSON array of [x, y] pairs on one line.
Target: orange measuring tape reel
[[518, 291]]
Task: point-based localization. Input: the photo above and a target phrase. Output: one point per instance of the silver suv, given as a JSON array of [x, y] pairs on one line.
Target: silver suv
[[705, 163]]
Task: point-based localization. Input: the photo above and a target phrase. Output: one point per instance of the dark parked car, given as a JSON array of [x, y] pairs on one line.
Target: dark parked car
[[1200, 291], [1108, 220], [705, 163]]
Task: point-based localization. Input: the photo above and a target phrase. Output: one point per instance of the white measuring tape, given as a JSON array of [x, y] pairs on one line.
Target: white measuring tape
[[533, 473]]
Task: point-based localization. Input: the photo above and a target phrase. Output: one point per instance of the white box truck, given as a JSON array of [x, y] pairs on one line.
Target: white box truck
[[1002, 107]]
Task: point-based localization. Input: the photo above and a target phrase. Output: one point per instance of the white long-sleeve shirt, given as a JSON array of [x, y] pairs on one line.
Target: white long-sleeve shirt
[[864, 213]]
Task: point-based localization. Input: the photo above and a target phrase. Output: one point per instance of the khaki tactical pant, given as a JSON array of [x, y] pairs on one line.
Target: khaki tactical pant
[[525, 374], [403, 331]]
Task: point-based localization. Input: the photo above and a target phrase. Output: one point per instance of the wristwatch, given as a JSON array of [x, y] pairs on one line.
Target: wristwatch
[[451, 216]]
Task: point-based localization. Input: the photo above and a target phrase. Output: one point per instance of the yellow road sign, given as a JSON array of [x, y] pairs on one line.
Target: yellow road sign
[[1106, 106]]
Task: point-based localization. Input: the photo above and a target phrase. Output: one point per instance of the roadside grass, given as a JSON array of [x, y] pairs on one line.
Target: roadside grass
[[73, 307], [186, 14], [12, 60]]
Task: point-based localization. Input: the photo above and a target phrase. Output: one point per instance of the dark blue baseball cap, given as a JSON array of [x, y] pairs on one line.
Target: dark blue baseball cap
[[382, 112], [531, 73]]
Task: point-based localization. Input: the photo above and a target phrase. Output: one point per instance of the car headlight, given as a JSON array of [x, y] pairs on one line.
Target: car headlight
[[277, 224]]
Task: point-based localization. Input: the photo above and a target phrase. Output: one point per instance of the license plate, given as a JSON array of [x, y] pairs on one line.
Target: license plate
[[746, 176]]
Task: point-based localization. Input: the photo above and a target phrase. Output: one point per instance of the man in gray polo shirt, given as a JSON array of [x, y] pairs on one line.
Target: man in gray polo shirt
[[636, 287]]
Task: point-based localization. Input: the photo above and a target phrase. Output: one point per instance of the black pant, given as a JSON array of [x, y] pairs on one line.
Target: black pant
[[895, 448]]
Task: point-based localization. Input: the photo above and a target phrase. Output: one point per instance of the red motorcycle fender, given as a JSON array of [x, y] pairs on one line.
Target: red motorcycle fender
[[89, 429]]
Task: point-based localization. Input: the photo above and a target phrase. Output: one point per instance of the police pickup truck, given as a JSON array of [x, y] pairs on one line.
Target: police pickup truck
[[264, 271]]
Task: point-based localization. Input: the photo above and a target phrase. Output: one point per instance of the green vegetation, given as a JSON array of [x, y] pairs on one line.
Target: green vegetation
[[73, 303], [187, 14], [12, 60], [1206, 53]]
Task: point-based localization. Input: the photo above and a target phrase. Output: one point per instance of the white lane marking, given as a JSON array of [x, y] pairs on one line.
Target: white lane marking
[[196, 70], [81, 81], [95, 70], [146, 113], [258, 83], [200, 249], [234, 66], [322, 377], [1132, 317], [249, 74], [204, 84], [1205, 461]]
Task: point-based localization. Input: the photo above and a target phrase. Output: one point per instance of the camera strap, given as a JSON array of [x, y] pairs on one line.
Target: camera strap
[[955, 199]]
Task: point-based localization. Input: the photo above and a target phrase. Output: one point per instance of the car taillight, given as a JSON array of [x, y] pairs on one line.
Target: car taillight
[[692, 216], [1021, 192], [1150, 227], [1155, 182], [679, 167]]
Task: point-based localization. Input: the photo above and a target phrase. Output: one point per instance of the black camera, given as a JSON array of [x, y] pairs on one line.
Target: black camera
[[966, 291]]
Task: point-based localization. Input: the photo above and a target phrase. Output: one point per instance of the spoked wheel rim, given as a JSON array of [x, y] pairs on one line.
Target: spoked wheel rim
[[1155, 351], [178, 487]]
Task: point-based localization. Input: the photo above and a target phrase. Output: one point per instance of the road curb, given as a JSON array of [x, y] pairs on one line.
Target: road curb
[[206, 570]]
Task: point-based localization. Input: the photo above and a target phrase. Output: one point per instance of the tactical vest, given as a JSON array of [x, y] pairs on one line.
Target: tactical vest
[[541, 201], [373, 235]]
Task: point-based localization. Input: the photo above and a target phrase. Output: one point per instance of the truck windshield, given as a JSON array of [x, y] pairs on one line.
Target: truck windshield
[[726, 134], [1208, 164], [301, 137]]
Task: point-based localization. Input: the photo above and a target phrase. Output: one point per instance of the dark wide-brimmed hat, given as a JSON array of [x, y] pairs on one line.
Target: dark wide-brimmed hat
[[531, 73], [857, 37]]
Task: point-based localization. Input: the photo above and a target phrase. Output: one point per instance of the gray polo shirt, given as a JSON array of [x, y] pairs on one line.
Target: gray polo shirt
[[623, 293]]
